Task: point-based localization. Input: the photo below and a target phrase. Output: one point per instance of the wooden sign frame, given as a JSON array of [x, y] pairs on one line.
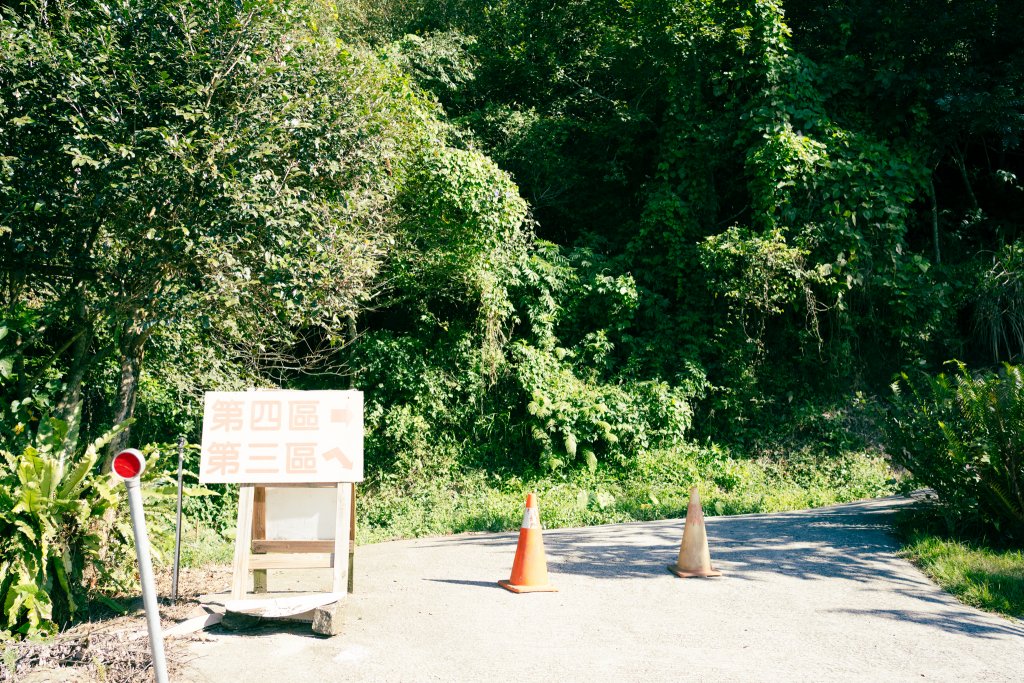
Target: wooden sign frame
[[253, 552]]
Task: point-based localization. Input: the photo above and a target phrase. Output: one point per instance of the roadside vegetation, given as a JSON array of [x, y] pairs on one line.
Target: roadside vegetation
[[657, 488], [602, 250], [962, 435], [979, 572]]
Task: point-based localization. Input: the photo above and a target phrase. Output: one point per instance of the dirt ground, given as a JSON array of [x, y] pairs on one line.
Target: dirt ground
[[111, 648]]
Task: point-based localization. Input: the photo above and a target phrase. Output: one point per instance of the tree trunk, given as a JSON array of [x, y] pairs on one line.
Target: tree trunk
[[935, 220], [132, 350], [69, 407], [353, 331], [961, 163]]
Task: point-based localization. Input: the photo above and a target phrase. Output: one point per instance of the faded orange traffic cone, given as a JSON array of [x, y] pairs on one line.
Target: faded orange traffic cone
[[530, 568], [694, 557]]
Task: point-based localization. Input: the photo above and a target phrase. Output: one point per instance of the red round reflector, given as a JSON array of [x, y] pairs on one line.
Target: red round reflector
[[128, 464]]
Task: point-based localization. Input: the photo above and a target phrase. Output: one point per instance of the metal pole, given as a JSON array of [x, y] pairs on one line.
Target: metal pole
[[177, 527], [156, 636]]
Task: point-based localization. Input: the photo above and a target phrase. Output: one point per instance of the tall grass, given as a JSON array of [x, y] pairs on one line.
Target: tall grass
[[656, 487]]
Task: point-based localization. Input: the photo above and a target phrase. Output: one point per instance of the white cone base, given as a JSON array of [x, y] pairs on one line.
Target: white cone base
[[527, 589], [687, 574]]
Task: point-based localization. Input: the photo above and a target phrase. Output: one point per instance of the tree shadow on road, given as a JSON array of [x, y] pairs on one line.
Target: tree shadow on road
[[464, 582], [848, 542], [958, 619]]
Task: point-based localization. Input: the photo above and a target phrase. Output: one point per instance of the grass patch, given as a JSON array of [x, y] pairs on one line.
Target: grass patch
[[989, 578], [202, 546], [656, 486]]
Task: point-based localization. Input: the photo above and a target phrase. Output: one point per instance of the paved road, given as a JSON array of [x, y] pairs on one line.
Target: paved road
[[816, 595]]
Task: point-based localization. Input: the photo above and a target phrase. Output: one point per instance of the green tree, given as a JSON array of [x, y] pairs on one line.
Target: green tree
[[862, 136], [186, 160]]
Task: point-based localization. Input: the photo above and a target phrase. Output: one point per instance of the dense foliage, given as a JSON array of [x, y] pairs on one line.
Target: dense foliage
[[800, 213], [963, 436], [52, 531], [546, 237]]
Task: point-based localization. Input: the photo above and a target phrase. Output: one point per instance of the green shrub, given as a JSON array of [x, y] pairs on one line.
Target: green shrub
[[573, 419], [52, 530], [963, 435], [999, 302]]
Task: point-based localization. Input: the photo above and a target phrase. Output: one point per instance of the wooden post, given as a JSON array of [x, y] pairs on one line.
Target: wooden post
[[329, 619], [243, 541], [352, 542], [259, 533], [341, 541]]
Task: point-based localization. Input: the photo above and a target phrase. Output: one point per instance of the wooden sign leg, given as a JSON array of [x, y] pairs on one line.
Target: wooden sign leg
[[341, 542], [352, 542], [243, 542], [328, 620], [259, 533]]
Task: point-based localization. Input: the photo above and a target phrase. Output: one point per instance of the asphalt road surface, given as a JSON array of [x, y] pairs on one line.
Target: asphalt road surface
[[816, 595]]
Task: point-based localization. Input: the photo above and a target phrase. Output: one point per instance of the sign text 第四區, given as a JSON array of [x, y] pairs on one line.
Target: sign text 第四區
[[263, 437]]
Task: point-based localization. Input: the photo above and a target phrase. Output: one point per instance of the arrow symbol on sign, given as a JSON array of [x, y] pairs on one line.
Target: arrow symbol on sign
[[339, 455]]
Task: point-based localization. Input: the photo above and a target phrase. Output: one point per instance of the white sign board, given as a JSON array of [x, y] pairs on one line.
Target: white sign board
[[301, 514], [274, 437]]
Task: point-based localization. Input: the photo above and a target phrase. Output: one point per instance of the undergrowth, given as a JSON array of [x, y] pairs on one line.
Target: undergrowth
[[657, 486], [980, 571]]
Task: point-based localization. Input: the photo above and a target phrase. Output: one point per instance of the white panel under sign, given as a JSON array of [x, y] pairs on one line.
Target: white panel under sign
[[276, 437], [297, 514]]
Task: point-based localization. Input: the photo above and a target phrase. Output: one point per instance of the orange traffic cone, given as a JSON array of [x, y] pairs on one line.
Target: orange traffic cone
[[529, 569], [694, 557]]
